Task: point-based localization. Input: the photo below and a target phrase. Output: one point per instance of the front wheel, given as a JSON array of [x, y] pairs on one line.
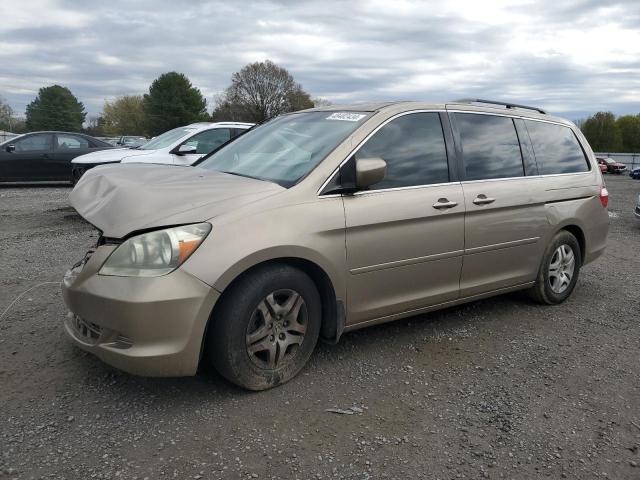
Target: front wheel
[[559, 270], [266, 327]]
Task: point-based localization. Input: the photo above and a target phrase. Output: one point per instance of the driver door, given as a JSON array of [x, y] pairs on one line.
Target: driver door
[[30, 161], [405, 235]]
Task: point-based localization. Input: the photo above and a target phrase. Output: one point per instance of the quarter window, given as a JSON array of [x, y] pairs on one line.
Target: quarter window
[[556, 148], [414, 149], [66, 142], [490, 147]]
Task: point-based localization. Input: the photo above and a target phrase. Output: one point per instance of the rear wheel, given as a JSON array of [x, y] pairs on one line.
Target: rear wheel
[[559, 270], [266, 327]]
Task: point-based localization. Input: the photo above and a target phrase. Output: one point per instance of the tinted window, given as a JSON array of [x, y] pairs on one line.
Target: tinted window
[[556, 148], [209, 140], [33, 143], [490, 147], [414, 149], [65, 142]]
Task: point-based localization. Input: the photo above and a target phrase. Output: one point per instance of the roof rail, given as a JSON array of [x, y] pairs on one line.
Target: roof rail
[[505, 104]]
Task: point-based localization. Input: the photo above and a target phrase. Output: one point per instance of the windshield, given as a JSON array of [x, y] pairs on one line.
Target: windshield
[[166, 139], [286, 148]]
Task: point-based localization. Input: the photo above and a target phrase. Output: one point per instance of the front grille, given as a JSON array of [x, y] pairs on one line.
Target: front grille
[[88, 331]]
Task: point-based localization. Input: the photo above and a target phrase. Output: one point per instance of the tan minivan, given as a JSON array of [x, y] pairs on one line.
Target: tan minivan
[[324, 221]]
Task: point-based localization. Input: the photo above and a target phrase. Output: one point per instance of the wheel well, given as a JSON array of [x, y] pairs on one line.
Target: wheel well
[[330, 328], [579, 234]]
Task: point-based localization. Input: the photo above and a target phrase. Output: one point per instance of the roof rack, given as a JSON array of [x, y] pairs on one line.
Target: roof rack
[[505, 104]]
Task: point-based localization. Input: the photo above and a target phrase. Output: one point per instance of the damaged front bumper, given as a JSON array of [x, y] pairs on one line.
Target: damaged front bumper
[[145, 326]]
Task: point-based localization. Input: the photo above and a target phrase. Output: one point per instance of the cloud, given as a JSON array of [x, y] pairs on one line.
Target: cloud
[[572, 59]]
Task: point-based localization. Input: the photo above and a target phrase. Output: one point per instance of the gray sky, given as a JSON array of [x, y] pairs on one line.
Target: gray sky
[[571, 57]]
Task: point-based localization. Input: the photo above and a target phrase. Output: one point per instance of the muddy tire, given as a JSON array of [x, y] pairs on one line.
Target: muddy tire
[[266, 327]]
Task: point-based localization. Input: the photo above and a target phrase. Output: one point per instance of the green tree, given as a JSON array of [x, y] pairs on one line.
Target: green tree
[[55, 108], [171, 102], [629, 126], [602, 132], [6, 115], [124, 116], [260, 91]]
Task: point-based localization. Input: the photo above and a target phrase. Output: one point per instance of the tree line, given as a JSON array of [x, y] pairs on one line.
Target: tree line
[[257, 92], [606, 133]]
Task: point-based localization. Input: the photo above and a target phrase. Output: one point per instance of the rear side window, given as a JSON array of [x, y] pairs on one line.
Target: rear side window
[[414, 149], [490, 147], [556, 148], [70, 142]]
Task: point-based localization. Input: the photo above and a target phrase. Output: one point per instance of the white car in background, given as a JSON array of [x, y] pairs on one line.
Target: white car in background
[[180, 146]]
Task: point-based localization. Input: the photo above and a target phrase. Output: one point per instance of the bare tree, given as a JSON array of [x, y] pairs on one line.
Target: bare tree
[[260, 91], [6, 115]]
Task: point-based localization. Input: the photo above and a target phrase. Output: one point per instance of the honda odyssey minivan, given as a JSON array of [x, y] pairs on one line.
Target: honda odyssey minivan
[[324, 221]]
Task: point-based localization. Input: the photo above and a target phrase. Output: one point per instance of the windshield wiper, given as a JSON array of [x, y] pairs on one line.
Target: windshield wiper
[[239, 174], [249, 176]]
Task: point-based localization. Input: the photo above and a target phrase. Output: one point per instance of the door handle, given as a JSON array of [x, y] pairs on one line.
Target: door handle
[[482, 199], [443, 203], [45, 155]]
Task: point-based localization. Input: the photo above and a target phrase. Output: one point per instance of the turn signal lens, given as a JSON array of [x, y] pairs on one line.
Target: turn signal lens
[[186, 248], [604, 196]]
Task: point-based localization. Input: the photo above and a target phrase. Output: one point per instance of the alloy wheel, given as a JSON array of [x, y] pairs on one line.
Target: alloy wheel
[[277, 329], [561, 268]]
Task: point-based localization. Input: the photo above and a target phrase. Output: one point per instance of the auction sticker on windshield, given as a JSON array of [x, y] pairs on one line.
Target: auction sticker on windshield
[[346, 117]]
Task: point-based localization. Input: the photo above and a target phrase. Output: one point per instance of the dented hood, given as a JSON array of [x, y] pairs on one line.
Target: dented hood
[[120, 199]]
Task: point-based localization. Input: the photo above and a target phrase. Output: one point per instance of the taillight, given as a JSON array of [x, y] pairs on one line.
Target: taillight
[[604, 196]]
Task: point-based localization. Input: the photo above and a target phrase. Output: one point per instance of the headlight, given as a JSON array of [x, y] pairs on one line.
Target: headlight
[[155, 253]]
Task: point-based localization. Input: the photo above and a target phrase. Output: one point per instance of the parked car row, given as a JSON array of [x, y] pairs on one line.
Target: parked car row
[[180, 146], [324, 221], [62, 156]]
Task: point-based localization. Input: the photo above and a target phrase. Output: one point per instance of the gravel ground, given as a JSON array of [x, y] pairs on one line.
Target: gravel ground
[[500, 388]]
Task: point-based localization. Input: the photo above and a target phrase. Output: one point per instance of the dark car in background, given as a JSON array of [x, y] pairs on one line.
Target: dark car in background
[[612, 165], [44, 156], [635, 173]]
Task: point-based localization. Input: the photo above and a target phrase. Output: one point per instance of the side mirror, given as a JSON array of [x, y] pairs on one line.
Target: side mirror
[[370, 171], [186, 149], [10, 148]]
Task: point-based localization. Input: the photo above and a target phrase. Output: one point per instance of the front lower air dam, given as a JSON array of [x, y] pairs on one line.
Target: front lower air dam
[[150, 326]]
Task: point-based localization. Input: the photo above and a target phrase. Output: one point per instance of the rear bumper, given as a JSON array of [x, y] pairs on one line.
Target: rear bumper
[[144, 326]]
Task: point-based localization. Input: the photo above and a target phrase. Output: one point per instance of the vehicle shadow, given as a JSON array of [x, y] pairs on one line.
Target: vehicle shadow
[[440, 331]]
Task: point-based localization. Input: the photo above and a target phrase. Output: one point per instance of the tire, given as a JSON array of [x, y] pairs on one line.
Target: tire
[[256, 340], [551, 286]]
